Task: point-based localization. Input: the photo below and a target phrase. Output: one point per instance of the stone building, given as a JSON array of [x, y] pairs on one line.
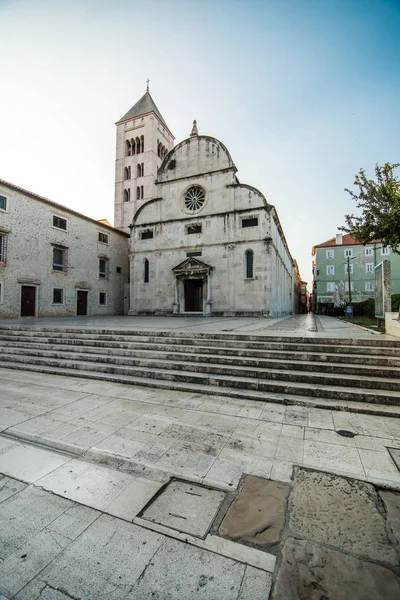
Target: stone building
[[190, 237], [55, 262], [201, 241], [342, 260]]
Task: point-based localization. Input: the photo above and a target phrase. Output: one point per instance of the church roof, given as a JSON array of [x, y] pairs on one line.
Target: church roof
[[143, 106]]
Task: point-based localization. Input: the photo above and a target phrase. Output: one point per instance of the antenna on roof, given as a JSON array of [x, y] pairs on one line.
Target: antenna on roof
[[147, 89]]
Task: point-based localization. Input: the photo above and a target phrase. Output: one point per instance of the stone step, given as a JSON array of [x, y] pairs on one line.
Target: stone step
[[263, 359], [263, 340], [333, 388], [356, 376], [263, 337], [365, 407], [314, 345]]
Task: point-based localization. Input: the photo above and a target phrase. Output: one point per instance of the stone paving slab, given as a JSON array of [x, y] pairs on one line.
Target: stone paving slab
[[55, 549], [391, 501], [342, 513], [312, 572], [257, 515], [186, 507]]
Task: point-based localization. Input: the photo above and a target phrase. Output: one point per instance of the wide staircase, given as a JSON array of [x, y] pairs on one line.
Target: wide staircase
[[346, 374]]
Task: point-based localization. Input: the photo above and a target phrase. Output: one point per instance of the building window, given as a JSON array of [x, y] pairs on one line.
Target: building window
[[147, 234], [193, 229], [139, 192], [140, 169], [346, 268], [369, 268], [127, 195], [1, 292], [128, 148], [330, 269], [3, 247], [369, 286], [330, 286], [119, 270], [161, 150], [194, 198], [193, 254], [59, 222], [249, 264], [251, 222], [103, 238], [368, 251], [385, 251], [146, 271], [330, 254], [127, 173], [142, 143], [3, 203], [58, 296], [103, 268], [346, 288], [102, 298], [348, 252], [59, 259]]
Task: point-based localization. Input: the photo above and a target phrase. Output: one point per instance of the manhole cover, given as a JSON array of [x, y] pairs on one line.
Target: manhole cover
[[395, 454], [345, 433], [186, 507]]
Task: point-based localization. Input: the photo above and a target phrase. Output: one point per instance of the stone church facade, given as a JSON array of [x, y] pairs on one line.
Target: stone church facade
[[188, 237], [201, 242]]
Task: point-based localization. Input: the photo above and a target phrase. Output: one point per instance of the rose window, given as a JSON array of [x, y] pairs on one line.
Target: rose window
[[194, 198]]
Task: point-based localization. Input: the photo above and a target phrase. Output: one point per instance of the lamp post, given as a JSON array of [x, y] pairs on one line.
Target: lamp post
[[348, 276], [349, 282]]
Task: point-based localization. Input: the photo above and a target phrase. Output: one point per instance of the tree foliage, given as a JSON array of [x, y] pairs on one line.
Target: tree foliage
[[379, 201]]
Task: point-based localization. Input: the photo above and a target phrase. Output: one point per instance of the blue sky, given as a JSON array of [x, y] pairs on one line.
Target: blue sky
[[302, 92]]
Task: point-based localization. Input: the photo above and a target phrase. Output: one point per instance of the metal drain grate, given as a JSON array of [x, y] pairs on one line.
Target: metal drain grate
[[186, 507], [346, 433]]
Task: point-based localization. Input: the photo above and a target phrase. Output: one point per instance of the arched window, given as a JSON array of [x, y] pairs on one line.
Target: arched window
[[139, 170], [249, 263], [133, 146], [142, 143], [126, 195], [141, 192], [138, 193], [129, 172], [126, 173], [137, 141], [146, 271], [128, 148]]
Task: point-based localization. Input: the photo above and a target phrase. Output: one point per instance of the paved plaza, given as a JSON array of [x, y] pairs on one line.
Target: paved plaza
[[296, 325], [284, 501]]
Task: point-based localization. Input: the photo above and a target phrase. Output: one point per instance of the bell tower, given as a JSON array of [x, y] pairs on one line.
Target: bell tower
[[143, 140]]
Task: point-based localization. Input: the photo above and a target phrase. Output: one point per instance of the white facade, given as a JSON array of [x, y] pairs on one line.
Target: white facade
[[55, 262], [143, 140], [191, 238], [221, 252]]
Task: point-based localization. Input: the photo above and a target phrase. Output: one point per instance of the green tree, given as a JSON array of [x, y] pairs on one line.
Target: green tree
[[379, 201]]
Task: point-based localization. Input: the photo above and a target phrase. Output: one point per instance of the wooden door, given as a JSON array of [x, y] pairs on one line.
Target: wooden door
[[28, 301], [81, 303]]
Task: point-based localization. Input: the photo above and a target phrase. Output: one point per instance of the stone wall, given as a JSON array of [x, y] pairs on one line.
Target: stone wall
[[31, 239]]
